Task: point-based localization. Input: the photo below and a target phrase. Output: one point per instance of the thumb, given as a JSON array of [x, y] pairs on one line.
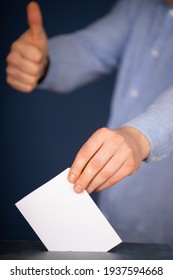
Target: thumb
[[34, 17]]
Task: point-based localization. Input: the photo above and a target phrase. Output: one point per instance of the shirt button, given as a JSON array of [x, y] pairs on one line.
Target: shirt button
[[154, 52], [154, 158], [134, 93], [171, 12]]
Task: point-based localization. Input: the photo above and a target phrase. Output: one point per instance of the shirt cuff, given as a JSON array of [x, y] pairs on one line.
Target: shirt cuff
[[154, 132]]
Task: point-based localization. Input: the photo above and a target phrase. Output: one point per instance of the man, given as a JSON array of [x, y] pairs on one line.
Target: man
[[136, 37]]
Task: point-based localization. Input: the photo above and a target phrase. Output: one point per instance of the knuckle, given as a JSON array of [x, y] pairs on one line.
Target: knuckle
[[7, 70], [116, 178], [10, 71], [35, 70], [32, 80], [85, 150], [32, 85], [102, 131], [128, 150], [8, 80], [130, 167], [105, 173], [13, 58], [111, 180], [29, 88], [88, 171], [118, 138], [14, 45], [35, 54], [8, 58], [95, 162]]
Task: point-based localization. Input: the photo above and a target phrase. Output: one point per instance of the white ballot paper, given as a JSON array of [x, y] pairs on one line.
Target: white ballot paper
[[66, 221]]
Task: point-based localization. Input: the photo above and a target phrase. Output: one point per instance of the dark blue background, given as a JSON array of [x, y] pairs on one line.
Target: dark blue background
[[42, 132]]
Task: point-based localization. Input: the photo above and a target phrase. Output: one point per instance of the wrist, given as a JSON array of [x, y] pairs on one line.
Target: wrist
[[142, 143]]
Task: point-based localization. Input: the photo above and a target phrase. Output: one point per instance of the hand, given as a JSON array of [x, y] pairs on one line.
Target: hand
[[107, 157], [27, 60]]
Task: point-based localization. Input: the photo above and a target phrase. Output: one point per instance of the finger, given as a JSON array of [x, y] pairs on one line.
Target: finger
[[24, 65], [108, 170], [118, 176], [87, 151], [18, 85], [34, 16], [27, 51], [15, 74], [94, 166]]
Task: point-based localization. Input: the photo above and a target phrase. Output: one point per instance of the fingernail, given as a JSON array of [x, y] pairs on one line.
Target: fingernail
[[71, 178], [78, 189]]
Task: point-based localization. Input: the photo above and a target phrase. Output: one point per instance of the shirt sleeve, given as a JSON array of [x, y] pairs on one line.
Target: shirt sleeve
[[156, 123], [81, 57]]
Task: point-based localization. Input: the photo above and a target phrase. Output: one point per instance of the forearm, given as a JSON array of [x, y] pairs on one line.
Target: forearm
[[71, 65], [81, 57]]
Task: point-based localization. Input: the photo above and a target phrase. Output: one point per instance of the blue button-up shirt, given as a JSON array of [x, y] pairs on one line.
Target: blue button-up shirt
[[136, 38]]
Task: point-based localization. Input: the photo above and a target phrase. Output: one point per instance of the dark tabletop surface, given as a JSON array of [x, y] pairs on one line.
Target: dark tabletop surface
[[35, 250]]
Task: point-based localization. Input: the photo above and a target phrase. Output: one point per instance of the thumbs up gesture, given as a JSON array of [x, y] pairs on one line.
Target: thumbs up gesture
[[27, 60]]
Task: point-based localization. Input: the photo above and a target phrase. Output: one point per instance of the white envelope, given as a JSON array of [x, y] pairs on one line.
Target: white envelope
[[66, 221]]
